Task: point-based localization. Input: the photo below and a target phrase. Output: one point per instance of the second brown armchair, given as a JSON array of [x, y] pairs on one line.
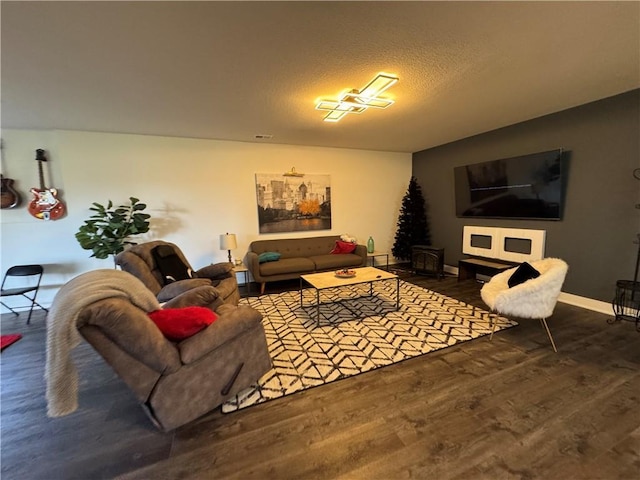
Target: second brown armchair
[[144, 261]]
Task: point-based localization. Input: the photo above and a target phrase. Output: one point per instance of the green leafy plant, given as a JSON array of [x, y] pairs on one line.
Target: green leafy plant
[[107, 231]]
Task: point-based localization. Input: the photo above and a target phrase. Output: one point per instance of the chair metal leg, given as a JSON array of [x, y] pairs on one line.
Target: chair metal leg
[[41, 307], [33, 304], [493, 323], [546, 327], [12, 310]]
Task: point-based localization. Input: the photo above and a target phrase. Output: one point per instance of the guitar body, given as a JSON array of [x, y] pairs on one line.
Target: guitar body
[[10, 198], [45, 204]]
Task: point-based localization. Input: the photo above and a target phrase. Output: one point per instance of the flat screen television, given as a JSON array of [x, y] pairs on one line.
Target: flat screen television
[[525, 187]]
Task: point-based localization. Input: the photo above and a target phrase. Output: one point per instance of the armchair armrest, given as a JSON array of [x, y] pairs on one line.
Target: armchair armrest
[[233, 321], [216, 271], [181, 286], [361, 250], [130, 328], [253, 264], [201, 296]]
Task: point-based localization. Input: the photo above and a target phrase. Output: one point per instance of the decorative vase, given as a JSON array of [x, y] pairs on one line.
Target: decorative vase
[[370, 245]]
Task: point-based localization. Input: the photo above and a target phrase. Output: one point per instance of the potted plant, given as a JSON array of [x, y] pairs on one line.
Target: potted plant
[[107, 231]]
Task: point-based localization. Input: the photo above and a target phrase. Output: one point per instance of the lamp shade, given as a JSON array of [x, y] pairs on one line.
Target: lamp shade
[[228, 241]]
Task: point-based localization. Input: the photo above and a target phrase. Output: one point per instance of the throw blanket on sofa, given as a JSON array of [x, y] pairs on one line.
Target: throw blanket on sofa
[[62, 335]]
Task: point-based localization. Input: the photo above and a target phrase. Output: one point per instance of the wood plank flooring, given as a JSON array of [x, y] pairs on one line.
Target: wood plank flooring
[[510, 408]]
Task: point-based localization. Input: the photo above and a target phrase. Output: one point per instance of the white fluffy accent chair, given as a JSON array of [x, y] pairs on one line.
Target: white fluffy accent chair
[[535, 298]]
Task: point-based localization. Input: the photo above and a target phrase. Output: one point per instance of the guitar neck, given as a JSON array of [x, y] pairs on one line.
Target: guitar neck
[[40, 157], [42, 187]]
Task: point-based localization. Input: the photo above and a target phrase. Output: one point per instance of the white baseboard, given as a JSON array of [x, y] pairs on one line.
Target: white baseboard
[[450, 269], [588, 303]]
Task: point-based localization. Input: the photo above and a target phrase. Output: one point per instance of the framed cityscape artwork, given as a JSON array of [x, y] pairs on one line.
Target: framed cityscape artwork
[[293, 202]]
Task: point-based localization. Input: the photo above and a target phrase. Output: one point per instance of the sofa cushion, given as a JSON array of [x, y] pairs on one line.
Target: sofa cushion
[[179, 323], [329, 262], [295, 247], [268, 257], [287, 265], [343, 247]]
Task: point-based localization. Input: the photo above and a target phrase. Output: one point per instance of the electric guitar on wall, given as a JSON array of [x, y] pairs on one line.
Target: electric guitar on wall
[[45, 205], [9, 197]]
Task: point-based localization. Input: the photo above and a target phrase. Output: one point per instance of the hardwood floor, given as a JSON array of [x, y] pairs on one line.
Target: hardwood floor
[[510, 408]]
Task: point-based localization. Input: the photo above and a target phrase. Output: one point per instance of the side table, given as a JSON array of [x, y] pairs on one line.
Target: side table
[[626, 304], [242, 269], [375, 254]]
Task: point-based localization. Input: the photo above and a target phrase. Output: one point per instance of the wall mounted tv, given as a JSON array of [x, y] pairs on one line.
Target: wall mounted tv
[[526, 187]]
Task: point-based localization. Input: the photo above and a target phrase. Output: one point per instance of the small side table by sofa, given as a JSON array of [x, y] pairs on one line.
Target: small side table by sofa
[[375, 254], [242, 269]]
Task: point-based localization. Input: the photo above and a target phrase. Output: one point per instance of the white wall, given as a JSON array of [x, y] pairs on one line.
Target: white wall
[[195, 190]]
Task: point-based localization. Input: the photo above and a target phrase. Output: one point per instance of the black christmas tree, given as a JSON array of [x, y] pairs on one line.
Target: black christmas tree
[[412, 223]]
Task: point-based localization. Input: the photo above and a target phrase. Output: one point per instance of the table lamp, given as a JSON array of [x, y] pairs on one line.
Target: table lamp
[[228, 243]]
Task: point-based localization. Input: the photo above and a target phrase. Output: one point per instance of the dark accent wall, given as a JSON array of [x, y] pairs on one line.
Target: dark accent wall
[[600, 223]]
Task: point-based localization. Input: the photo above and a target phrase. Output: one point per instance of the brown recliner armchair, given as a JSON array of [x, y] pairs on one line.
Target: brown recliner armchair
[[176, 382], [140, 261]]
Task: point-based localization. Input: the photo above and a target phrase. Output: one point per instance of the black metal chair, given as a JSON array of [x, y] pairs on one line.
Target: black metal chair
[[23, 271]]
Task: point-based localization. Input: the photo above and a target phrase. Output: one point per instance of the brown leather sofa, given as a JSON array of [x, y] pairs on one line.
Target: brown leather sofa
[[299, 256], [140, 262]]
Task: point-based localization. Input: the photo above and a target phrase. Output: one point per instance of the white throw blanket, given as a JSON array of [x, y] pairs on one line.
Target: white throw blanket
[[62, 334]]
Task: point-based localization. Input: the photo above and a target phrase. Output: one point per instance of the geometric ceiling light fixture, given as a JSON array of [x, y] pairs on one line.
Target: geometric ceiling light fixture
[[357, 101]]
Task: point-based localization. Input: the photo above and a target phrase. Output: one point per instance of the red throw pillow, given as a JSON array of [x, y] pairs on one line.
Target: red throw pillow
[[179, 323], [343, 247]]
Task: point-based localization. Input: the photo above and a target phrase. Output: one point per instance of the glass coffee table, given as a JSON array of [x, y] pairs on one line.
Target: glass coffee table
[[326, 280]]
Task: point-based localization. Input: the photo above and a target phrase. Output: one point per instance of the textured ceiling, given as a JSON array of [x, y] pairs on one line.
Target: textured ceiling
[[231, 70]]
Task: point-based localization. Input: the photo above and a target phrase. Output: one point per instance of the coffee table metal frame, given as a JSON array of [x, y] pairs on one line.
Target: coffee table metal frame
[[326, 280]]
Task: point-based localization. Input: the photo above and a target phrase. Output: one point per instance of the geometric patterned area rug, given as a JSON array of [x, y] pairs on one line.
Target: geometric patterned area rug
[[357, 333]]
